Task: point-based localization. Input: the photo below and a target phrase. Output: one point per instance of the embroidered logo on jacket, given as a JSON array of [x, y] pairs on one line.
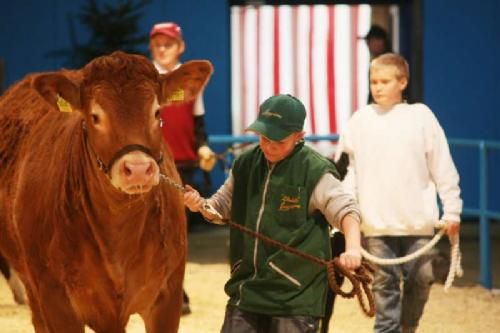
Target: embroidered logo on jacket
[[288, 203]]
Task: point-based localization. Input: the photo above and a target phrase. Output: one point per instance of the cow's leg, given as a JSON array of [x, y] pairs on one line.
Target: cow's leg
[[165, 314], [17, 288], [52, 310], [4, 267], [15, 284], [109, 327], [36, 312]]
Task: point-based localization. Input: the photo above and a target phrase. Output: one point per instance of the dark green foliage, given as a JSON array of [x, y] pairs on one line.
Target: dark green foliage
[[111, 27]]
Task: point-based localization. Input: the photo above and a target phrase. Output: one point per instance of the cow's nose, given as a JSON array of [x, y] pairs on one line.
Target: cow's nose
[[138, 170]]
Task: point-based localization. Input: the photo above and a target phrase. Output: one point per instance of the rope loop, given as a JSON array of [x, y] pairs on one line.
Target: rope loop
[[360, 280]]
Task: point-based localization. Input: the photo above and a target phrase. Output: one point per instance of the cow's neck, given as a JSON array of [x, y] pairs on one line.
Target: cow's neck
[[118, 223], [117, 219]]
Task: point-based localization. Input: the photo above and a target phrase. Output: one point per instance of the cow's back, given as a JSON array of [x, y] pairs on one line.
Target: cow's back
[[21, 107]]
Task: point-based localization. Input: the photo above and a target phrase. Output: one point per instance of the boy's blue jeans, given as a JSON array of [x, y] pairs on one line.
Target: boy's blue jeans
[[396, 308]]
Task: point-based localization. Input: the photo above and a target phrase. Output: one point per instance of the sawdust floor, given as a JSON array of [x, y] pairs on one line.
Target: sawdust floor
[[466, 308]]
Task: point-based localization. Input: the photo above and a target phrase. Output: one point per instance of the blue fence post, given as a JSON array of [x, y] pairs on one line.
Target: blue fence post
[[484, 223]]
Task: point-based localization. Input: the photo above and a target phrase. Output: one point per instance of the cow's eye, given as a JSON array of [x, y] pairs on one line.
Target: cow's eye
[[157, 114], [95, 119]]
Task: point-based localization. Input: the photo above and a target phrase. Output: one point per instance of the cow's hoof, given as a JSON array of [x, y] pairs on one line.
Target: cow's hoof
[[17, 288], [185, 309]]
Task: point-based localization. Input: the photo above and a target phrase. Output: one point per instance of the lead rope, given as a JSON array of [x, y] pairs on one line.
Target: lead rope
[[360, 279], [455, 262]]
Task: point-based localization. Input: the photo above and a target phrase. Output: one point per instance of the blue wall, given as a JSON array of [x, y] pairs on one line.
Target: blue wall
[[461, 52], [462, 66], [461, 43], [30, 29]]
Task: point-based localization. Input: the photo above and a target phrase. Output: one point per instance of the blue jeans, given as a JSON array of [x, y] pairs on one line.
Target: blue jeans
[[394, 308], [239, 321]]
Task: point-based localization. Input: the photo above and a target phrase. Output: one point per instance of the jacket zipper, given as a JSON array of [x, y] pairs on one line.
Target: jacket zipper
[[257, 227]]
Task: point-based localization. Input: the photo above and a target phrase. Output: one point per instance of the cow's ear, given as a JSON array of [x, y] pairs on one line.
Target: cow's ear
[[59, 91], [185, 83]]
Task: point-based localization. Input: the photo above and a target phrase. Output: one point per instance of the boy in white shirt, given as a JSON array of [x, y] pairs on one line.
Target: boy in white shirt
[[399, 162]]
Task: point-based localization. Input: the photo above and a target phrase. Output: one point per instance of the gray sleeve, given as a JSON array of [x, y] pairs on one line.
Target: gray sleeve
[[222, 199], [330, 198]]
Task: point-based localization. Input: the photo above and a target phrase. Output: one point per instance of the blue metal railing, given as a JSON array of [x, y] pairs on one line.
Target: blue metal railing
[[484, 214]]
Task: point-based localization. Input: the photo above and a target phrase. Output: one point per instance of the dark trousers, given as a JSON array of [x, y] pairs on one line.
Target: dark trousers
[[239, 321]]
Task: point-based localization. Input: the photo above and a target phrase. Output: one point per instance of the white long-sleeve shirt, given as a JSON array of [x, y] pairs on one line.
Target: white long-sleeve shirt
[[399, 160]]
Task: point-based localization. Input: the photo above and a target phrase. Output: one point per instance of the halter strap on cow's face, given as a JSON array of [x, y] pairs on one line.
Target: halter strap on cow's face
[[106, 168], [123, 151]]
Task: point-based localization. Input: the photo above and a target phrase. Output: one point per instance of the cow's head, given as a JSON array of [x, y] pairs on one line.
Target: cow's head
[[119, 98]]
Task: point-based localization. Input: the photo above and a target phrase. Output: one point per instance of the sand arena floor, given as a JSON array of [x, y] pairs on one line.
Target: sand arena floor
[[466, 308]]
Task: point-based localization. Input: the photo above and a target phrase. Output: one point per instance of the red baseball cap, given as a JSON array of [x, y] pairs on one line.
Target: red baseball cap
[[169, 29]]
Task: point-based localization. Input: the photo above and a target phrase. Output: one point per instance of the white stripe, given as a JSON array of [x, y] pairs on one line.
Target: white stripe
[[394, 10], [303, 60], [235, 71], [320, 80], [251, 65], [287, 55], [266, 54], [343, 63], [364, 23]]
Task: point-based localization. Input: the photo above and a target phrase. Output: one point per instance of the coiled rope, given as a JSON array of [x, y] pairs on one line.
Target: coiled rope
[[455, 262]]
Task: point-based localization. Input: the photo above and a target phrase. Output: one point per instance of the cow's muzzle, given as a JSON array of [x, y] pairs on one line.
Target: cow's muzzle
[[106, 168]]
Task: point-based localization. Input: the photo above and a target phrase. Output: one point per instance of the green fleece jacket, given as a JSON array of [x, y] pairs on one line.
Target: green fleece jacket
[[273, 200]]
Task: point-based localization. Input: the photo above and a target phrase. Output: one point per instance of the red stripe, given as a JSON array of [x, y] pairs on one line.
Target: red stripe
[[242, 69], [354, 43], [311, 80], [276, 50], [330, 56]]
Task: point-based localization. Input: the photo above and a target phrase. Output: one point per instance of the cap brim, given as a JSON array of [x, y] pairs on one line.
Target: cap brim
[[271, 132], [171, 35]]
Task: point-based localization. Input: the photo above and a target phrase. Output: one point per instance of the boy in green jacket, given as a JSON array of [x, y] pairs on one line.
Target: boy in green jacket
[[287, 191]]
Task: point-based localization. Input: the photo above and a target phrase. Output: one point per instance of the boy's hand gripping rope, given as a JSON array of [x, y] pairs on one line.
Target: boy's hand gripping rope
[[360, 279]]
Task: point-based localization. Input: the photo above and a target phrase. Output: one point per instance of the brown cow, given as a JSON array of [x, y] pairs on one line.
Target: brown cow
[[83, 218]]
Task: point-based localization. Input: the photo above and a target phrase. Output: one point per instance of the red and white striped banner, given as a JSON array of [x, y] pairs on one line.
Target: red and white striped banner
[[313, 52]]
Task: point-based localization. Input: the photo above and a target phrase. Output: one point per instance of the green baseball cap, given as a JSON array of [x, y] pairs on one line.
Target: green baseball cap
[[279, 116]]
